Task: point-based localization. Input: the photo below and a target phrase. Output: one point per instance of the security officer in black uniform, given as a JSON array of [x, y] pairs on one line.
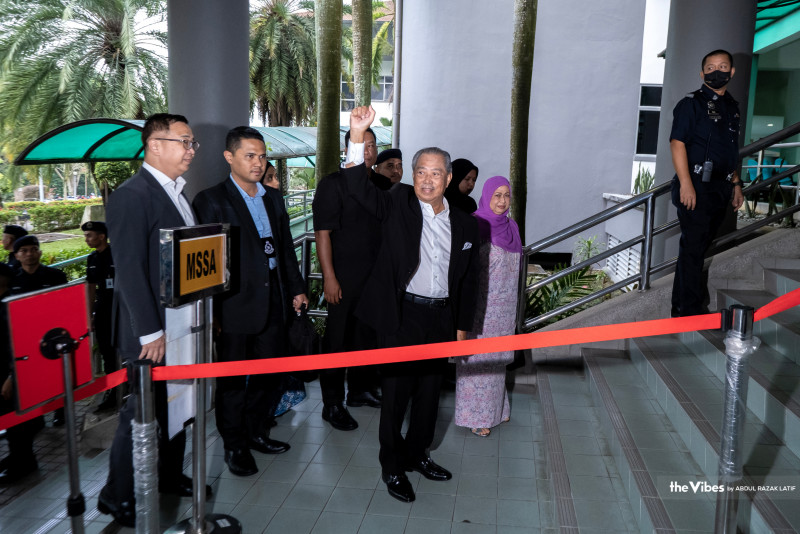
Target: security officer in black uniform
[[32, 275], [12, 232], [705, 153], [100, 277]]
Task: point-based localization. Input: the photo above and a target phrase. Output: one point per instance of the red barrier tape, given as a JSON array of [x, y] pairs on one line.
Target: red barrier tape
[[533, 340], [98, 385], [782, 303]]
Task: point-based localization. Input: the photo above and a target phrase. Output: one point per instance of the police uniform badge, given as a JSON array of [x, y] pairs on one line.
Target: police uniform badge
[[269, 246], [713, 114]]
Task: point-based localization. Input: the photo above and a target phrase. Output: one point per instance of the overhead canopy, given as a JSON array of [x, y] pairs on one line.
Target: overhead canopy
[[95, 140]]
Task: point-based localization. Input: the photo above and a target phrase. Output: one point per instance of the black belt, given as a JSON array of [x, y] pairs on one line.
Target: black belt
[[427, 301]]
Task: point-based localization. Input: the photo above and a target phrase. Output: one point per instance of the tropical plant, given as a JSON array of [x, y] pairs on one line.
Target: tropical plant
[[64, 60], [585, 248], [109, 175], [362, 53], [644, 181], [571, 287], [283, 63]]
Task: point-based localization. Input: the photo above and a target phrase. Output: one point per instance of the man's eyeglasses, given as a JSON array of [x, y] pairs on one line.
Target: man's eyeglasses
[[194, 145]]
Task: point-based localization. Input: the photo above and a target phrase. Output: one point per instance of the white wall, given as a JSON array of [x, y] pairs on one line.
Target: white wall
[[456, 86], [656, 23], [456, 91], [584, 110]]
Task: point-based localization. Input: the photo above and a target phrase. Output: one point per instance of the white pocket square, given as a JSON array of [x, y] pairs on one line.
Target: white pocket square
[[467, 246]]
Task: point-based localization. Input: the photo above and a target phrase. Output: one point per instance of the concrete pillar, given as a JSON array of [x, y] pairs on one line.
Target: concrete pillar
[[792, 155], [209, 78], [696, 28]]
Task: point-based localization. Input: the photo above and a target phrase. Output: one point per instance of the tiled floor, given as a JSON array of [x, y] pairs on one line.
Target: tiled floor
[[329, 482]]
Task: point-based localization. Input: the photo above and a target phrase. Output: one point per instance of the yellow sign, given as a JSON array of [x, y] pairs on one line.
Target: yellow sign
[[202, 262]]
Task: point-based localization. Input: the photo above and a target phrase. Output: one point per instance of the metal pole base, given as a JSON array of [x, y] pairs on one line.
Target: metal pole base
[[215, 523]]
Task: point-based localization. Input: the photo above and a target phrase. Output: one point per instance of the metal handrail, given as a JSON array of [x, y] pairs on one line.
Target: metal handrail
[[646, 269]]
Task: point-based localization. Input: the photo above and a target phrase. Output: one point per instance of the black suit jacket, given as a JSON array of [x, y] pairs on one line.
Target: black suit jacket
[[245, 308], [136, 212], [398, 258]]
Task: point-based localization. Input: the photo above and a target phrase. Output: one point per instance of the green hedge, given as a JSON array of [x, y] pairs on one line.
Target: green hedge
[[27, 204], [74, 271], [8, 216]]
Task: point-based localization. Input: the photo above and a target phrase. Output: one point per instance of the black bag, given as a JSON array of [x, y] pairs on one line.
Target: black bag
[[302, 340]]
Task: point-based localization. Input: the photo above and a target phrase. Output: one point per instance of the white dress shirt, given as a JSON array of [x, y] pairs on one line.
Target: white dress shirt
[[173, 189], [430, 278]]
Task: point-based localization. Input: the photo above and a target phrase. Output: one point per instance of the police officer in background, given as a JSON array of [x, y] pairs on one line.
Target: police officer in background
[[705, 153], [100, 278], [12, 232]]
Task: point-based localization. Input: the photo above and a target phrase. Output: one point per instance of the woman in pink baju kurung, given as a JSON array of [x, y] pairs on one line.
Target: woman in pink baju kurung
[[481, 396]]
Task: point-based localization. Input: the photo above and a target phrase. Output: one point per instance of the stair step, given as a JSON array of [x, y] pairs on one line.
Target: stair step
[[587, 486], [780, 331], [781, 281], [773, 395], [644, 445], [692, 397]]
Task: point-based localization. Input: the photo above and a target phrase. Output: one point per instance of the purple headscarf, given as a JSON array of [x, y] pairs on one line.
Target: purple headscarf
[[499, 229]]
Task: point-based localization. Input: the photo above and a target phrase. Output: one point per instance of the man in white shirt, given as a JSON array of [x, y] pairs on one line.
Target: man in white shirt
[[422, 290], [150, 200]]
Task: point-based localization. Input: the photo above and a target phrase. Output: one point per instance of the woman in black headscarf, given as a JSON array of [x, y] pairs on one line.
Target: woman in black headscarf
[[457, 193]]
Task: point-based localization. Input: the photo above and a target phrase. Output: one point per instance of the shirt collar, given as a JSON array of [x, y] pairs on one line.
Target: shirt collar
[[259, 193], [165, 180], [427, 209]]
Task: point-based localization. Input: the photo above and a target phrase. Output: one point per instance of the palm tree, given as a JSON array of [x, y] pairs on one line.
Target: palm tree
[[364, 55], [522, 65], [328, 21], [283, 63], [64, 60]]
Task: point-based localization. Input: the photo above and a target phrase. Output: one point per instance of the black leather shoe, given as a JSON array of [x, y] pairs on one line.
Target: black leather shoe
[[124, 514], [241, 462], [265, 445], [182, 487], [365, 398], [399, 487], [58, 417], [14, 470], [429, 469], [108, 404], [339, 418]]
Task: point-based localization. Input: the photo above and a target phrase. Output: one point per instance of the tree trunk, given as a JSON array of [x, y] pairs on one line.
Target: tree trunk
[[328, 22], [522, 71], [362, 51], [282, 173]]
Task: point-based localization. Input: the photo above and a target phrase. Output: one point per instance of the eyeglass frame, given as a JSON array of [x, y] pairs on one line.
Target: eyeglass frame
[[187, 144]]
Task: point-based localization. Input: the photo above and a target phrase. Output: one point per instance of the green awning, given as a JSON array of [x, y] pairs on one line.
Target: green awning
[[95, 140]]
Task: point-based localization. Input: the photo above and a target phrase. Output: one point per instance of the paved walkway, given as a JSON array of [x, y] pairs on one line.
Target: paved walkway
[[329, 482]]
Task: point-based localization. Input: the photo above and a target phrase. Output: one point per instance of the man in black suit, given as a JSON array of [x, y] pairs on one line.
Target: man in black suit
[[253, 314], [422, 290], [150, 200]]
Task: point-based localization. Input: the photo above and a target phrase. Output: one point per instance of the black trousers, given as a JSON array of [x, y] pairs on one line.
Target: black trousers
[[416, 382], [102, 333], [345, 332], [245, 405], [119, 485], [20, 437], [698, 228]]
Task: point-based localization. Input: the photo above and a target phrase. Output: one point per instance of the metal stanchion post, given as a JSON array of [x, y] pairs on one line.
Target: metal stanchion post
[[200, 522], [739, 344], [57, 343], [145, 449]]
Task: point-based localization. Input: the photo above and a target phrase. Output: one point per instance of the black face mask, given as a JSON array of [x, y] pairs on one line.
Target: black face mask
[[717, 79]]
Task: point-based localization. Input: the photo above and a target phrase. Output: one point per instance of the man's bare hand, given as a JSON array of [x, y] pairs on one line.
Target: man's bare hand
[[298, 301], [738, 198], [360, 119], [461, 335], [7, 389], [154, 350], [688, 196], [332, 289]]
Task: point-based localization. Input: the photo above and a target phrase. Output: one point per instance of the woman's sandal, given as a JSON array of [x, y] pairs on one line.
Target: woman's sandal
[[480, 432]]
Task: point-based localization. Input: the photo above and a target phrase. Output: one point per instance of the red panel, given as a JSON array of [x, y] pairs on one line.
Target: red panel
[[30, 318]]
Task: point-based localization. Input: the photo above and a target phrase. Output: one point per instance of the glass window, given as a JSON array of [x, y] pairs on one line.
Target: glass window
[[651, 96], [647, 137]]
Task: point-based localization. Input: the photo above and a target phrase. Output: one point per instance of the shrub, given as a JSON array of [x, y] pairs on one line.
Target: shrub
[[73, 271], [9, 216], [54, 216]]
